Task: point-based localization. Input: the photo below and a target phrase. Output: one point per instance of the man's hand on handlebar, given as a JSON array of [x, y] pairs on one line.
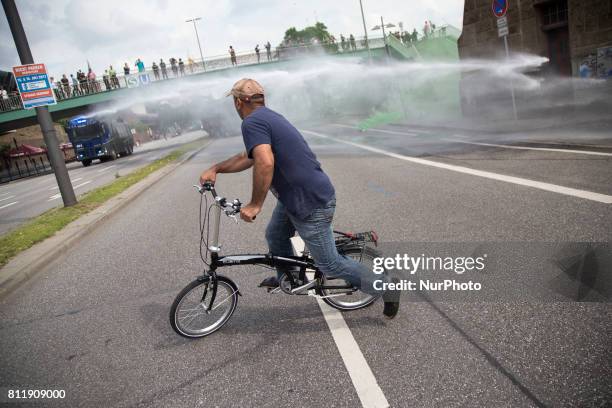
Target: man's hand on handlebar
[[249, 212], [208, 175]]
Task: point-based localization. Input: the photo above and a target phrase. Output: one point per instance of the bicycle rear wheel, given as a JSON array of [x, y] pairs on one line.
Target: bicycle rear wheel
[[348, 298], [189, 316]]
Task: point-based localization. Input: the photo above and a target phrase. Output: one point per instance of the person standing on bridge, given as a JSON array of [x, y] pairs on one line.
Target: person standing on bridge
[[173, 67], [162, 67], [65, 85], [181, 66], [126, 69], [106, 80], [113, 77], [155, 69], [268, 52], [75, 86], [257, 52], [190, 64], [233, 56], [284, 164]]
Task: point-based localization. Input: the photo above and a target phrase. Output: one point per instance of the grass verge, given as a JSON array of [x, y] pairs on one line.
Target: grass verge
[[49, 222]]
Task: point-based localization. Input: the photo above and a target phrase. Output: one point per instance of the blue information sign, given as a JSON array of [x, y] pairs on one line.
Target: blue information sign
[[33, 85]]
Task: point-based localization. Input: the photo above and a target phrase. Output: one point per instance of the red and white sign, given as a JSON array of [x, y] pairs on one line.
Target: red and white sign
[[500, 8]]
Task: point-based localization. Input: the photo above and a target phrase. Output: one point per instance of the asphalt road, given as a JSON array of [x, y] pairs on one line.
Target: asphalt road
[[23, 199], [95, 323]]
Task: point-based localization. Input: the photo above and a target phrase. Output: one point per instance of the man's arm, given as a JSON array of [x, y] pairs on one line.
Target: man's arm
[[263, 172], [234, 164]]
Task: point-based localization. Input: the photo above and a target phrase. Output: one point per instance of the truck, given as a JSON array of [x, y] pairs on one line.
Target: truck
[[95, 137]]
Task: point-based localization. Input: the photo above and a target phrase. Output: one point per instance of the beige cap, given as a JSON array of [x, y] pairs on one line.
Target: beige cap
[[246, 88]]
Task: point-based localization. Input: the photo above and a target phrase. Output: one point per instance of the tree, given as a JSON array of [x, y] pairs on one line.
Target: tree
[[308, 34]]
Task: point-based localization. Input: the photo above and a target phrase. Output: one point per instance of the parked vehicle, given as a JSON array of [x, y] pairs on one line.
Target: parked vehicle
[[100, 138]]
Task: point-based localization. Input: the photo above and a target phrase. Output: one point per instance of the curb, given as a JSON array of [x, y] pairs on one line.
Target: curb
[[29, 262]]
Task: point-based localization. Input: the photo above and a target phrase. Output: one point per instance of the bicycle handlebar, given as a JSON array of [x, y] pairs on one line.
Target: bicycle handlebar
[[230, 209]]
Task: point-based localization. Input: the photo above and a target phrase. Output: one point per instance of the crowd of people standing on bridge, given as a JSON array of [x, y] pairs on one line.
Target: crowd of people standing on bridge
[[84, 83]]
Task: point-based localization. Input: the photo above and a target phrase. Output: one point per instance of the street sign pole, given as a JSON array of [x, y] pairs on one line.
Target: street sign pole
[[382, 25], [500, 9], [42, 112], [511, 80], [365, 32]]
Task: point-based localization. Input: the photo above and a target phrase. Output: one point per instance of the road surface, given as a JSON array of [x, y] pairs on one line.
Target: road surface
[[23, 199], [95, 322]]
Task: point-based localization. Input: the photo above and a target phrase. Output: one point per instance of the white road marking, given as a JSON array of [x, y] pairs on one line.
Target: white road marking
[[369, 392], [6, 198], [73, 181], [9, 204], [588, 195], [7, 193], [533, 148], [58, 195], [379, 130], [106, 168]]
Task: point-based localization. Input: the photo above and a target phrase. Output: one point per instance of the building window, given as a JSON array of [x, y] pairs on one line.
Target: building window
[[554, 13]]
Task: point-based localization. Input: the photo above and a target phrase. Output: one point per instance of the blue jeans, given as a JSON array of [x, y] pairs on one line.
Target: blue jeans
[[317, 233]]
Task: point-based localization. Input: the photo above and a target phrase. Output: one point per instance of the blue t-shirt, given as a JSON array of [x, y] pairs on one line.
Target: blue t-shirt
[[298, 182]]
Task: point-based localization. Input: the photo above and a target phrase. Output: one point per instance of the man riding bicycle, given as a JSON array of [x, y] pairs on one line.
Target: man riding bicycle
[[283, 162]]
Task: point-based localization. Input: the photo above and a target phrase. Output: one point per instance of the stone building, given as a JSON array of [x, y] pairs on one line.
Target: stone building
[[570, 33]]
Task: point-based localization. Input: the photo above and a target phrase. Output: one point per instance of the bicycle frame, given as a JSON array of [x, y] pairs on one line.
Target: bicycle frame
[[303, 262]]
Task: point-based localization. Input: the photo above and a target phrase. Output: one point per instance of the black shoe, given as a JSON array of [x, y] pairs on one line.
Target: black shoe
[[391, 309], [271, 282]]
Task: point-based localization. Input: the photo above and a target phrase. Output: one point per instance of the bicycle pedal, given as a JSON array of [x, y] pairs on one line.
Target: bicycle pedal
[[273, 291]]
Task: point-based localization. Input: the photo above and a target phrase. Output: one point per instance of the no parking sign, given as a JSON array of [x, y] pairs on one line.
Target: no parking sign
[[500, 8]]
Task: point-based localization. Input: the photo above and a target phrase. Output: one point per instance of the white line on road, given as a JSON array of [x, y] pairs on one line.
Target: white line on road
[[379, 130], [588, 195], [6, 198], [9, 204], [533, 148], [58, 195], [106, 168], [73, 181], [3, 194], [369, 392]]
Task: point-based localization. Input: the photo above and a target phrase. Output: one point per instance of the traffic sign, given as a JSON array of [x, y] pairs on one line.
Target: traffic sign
[[502, 26], [33, 85], [500, 8]]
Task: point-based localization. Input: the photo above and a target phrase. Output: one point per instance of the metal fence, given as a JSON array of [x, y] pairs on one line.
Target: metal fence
[[26, 166]]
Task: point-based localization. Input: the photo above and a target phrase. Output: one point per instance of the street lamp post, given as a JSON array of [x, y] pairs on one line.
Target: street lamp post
[[42, 112], [193, 20], [382, 25], [365, 31]]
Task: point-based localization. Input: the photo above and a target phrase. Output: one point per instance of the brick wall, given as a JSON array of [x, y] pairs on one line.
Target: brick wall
[[590, 27]]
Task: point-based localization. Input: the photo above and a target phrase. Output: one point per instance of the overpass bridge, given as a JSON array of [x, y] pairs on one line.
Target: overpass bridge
[[442, 44]]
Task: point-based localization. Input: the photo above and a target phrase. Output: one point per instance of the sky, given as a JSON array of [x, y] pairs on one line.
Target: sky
[[65, 34]]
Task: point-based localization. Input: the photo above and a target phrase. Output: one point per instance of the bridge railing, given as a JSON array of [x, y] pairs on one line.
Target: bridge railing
[[106, 83]]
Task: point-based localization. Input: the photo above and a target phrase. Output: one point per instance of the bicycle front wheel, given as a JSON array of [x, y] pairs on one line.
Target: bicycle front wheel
[[189, 314], [343, 296]]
